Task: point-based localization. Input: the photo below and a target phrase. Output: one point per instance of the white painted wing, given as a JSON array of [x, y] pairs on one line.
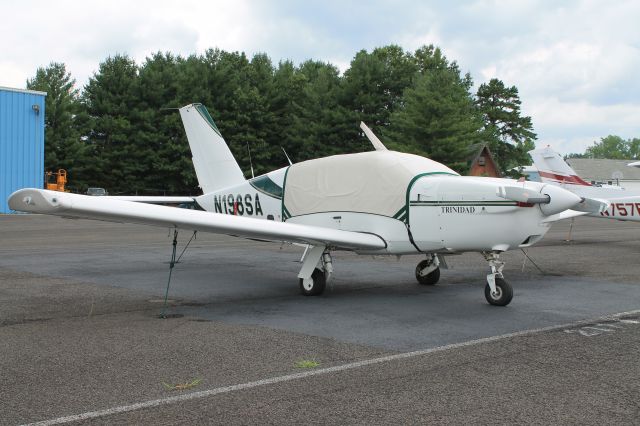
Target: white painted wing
[[83, 206], [151, 199]]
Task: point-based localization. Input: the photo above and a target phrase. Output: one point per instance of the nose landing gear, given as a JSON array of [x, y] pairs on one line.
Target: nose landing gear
[[428, 271], [498, 291]]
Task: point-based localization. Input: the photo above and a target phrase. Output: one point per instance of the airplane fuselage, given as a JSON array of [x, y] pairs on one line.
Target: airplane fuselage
[[442, 214]]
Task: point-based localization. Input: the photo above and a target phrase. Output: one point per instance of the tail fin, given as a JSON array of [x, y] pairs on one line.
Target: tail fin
[[553, 168], [216, 168]]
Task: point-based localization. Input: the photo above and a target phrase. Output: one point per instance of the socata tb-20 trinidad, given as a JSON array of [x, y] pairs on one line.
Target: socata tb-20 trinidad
[[380, 202]]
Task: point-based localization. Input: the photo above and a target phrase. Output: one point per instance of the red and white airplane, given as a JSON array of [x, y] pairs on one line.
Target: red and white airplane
[[623, 204]]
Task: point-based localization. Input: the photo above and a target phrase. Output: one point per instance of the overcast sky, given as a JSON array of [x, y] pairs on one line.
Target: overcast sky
[[575, 63]]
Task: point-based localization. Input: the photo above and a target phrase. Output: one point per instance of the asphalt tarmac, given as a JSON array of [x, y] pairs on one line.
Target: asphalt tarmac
[[81, 341]]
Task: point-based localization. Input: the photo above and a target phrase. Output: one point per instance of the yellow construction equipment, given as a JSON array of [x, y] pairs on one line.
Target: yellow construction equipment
[[55, 181]]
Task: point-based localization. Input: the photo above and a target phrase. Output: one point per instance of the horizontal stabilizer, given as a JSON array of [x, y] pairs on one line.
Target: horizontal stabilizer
[[82, 206]]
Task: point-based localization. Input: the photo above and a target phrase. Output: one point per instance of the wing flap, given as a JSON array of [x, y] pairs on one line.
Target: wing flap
[[83, 206], [152, 199]]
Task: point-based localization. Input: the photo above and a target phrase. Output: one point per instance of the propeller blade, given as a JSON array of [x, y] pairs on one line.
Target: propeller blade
[[592, 205], [522, 195]]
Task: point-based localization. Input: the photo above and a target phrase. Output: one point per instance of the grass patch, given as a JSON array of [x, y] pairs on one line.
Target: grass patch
[[306, 363], [182, 386]]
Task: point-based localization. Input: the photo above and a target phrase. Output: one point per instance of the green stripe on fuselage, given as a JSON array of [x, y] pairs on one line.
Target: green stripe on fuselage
[[463, 203]]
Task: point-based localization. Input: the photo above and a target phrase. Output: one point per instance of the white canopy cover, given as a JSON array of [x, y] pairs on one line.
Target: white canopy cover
[[370, 182]]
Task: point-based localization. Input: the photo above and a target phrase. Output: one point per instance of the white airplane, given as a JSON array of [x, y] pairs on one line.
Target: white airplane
[[623, 204], [379, 203]]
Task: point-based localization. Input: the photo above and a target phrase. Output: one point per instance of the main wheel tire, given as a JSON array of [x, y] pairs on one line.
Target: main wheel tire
[[431, 278], [504, 293], [316, 286]]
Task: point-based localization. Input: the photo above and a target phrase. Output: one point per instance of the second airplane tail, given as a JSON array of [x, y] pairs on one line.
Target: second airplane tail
[[553, 169], [215, 166]]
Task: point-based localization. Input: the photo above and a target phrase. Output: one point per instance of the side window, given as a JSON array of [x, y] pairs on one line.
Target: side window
[[266, 185]]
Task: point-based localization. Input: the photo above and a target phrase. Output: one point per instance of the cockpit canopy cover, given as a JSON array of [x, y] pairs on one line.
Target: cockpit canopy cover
[[373, 182]]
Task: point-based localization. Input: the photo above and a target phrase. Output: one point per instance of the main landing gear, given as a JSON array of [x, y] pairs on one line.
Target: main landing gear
[[316, 271], [497, 291]]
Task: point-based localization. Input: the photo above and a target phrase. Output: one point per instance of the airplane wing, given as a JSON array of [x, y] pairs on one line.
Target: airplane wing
[[83, 206]]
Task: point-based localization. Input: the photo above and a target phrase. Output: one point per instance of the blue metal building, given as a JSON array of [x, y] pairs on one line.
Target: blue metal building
[[21, 141]]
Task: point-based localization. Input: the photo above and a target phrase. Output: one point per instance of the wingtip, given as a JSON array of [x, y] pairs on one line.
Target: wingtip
[[33, 200]]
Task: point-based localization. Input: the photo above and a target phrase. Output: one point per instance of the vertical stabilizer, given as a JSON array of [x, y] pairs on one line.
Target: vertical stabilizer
[[553, 168], [216, 168]]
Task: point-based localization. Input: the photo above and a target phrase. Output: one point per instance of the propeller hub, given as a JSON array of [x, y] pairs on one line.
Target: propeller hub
[[559, 200]]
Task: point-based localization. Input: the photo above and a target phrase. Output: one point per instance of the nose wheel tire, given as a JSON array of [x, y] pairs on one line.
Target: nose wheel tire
[[431, 278], [503, 294], [315, 285]]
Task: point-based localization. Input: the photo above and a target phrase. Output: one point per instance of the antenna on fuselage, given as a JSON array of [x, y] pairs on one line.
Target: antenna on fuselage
[[377, 144], [250, 162], [285, 154]]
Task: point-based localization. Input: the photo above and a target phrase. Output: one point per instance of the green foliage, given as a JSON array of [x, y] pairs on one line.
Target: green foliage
[[615, 148], [63, 148], [110, 98], [123, 131], [307, 363], [510, 136], [375, 82], [438, 118]]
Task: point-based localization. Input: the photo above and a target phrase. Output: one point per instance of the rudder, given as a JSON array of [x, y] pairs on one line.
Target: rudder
[[552, 167], [215, 166]]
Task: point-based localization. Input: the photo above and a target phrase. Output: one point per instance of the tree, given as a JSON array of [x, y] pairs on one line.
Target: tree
[[156, 128], [109, 99], [320, 123], [130, 138], [375, 82], [63, 147], [436, 117], [633, 146], [615, 148], [509, 135], [284, 103]]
